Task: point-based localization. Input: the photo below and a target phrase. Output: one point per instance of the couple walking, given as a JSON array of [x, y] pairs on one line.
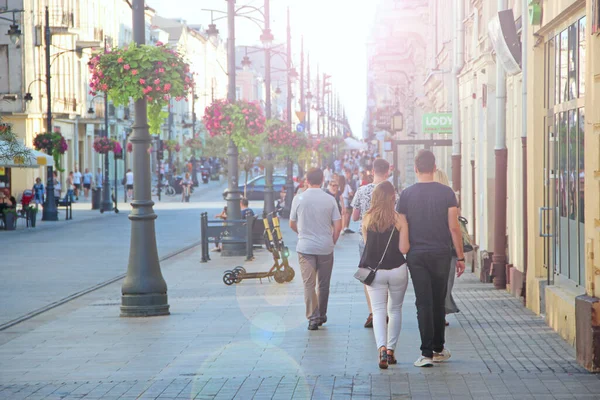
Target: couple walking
[[423, 225]]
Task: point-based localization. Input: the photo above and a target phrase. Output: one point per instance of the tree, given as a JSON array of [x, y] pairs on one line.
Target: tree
[[10, 147]]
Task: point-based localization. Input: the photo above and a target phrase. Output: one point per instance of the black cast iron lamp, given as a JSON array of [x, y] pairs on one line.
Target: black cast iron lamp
[[15, 33]]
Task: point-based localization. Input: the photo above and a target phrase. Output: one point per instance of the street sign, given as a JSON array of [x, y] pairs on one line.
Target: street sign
[[300, 115], [437, 123], [300, 128]]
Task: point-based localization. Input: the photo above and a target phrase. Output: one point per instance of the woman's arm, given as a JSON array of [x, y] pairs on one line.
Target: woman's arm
[[403, 245]]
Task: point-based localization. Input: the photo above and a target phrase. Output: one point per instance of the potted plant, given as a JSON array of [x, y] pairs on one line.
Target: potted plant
[[155, 73], [10, 219], [31, 214], [54, 144]]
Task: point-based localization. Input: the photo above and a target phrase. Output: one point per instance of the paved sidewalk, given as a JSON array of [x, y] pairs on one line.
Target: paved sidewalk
[[249, 341]]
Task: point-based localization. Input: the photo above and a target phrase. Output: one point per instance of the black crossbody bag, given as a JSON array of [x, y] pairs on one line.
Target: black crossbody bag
[[366, 275]]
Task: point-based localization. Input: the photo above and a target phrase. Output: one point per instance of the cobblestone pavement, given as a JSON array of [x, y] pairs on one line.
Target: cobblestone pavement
[[249, 341]]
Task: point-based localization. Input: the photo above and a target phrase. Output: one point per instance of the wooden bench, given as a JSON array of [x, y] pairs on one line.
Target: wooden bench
[[231, 232]]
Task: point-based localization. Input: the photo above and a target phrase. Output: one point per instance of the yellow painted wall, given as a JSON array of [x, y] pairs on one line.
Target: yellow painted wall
[[560, 311]]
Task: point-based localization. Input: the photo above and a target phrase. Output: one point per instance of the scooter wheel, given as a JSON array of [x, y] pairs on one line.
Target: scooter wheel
[[116, 210], [289, 274], [229, 279], [279, 276], [240, 269]]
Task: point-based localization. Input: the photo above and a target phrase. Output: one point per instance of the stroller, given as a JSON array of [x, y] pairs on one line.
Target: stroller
[[27, 198]]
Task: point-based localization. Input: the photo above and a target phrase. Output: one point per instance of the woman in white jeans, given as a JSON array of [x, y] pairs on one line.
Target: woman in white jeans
[[386, 234]]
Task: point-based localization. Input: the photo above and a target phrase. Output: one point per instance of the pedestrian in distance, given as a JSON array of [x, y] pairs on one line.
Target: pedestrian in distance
[[70, 187], [432, 214], [450, 305], [77, 182], [186, 184], [316, 219], [38, 192], [57, 186], [99, 178], [348, 196], [129, 183], [223, 216], [246, 211], [87, 183], [386, 241], [332, 190], [361, 204]]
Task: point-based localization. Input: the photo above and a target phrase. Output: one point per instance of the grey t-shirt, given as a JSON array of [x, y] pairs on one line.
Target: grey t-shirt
[[315, 211]]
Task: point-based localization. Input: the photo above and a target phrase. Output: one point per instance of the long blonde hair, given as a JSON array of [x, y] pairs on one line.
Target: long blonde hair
[[441, 177], [382, 214]]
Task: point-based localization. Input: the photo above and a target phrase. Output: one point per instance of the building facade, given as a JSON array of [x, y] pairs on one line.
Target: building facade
[[78, 29]]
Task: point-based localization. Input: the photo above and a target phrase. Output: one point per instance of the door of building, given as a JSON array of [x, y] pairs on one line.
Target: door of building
[[562, 215]]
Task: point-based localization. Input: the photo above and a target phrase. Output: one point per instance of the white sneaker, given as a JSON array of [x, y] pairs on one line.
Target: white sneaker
[[441, 357], [423, 362]]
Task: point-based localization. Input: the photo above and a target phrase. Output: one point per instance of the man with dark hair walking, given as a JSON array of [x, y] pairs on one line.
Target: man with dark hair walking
[[361, 204], [315, 217], [431, 210]]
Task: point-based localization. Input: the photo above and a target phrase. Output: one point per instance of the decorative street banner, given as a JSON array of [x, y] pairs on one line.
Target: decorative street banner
[[437, 123]]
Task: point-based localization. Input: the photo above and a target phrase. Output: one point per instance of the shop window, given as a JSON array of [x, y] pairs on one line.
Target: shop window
[[572, 164], [563, 65], [562, 164], [4, 70], [582, 53], [581, 166], [556, 69]]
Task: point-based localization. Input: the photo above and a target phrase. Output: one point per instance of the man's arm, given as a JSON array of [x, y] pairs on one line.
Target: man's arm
[[337, 229], [294, 226], [456, 239], [356, 214]]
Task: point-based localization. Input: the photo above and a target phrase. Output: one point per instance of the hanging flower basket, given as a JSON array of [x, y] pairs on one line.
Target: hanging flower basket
[[104, 145], [155, 73], [287, 143], [240, 120], [172, 145], [193, 144], [53, 144], [129, 147]]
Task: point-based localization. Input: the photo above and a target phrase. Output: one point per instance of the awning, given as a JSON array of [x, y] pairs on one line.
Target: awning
[[353, 144], [34, 159]]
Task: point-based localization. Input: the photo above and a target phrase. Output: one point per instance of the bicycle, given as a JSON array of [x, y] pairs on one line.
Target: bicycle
[[165, 188]]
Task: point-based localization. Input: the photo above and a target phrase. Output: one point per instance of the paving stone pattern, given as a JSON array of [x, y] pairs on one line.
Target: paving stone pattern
[[249, 341]]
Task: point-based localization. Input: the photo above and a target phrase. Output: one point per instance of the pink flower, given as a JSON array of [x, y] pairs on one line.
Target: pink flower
[[126, 67], [157, 82], [159, 43], [142, 81], [166, 97], [167, 87], [104, 87], [134, 72], [120, 60]]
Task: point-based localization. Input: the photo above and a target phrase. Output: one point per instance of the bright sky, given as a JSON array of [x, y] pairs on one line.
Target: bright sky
[[335, 33]]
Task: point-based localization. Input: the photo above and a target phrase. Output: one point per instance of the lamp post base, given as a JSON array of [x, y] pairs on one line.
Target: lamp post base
[[144, 305], [49, 215]]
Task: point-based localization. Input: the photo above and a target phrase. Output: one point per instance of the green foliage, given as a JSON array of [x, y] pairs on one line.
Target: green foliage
[[11, 147]]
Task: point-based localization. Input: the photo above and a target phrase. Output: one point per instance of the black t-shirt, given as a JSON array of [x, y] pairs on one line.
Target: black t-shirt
[[246, 212], [426, 208], [375, 246]]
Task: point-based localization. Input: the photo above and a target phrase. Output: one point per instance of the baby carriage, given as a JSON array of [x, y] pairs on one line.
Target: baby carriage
[[27, 198]]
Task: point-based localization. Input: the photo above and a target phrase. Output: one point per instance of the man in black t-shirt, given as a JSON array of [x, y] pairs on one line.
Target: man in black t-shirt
[[431, 210]]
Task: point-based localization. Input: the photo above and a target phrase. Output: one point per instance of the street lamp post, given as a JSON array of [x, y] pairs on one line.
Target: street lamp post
[[289, 183], [106, 203], [50, 213], [144, 290], [269, 205], [234, 211]]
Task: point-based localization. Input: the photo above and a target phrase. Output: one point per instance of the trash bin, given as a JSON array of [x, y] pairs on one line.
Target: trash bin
[[96, 198]]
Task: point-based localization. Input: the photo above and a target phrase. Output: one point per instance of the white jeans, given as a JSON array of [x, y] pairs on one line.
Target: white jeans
[[388, 283]]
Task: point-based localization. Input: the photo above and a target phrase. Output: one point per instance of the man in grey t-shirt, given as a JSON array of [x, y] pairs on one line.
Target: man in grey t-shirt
[[316, 218]]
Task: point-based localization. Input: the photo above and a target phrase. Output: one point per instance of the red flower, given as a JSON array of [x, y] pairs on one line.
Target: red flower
[[126, 67]]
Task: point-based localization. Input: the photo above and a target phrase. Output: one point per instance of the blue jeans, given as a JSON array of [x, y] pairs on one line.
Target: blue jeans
[[71, 195]]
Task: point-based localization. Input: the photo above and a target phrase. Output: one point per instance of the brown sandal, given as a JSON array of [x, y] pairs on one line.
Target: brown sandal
[[390, 357], [383, 359]]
